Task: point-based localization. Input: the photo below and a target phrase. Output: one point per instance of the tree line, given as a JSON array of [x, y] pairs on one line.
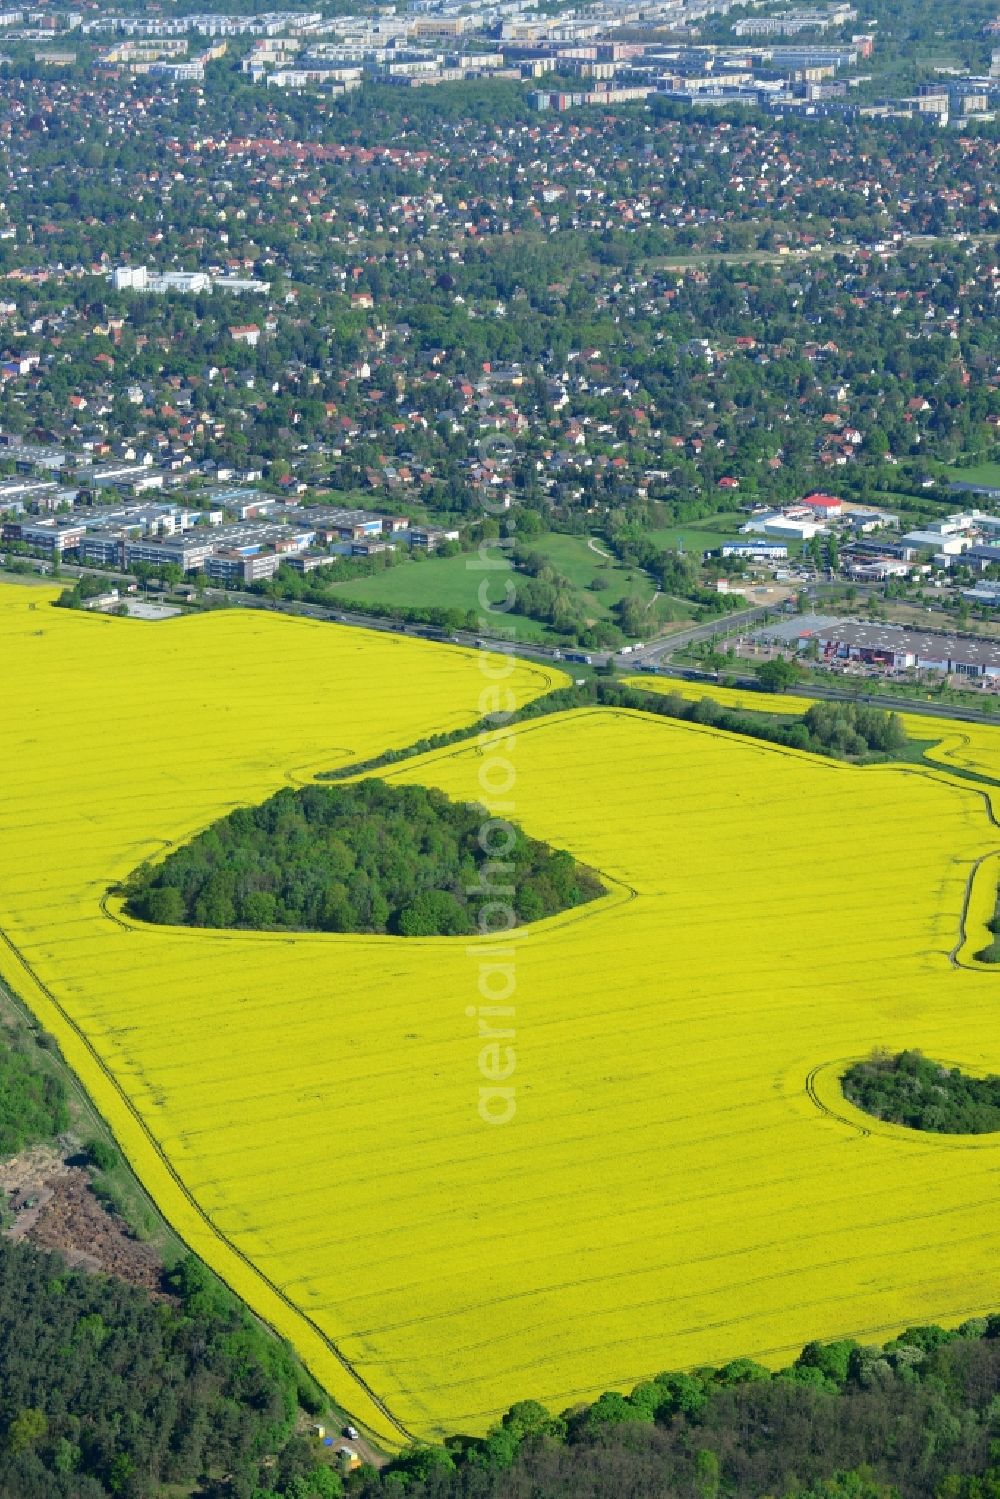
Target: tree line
[[915, 1418], [798, 731], [838, 730]]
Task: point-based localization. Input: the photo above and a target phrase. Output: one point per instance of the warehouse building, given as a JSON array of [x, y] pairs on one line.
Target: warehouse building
[[895, 648], [126, 478], [784, 527], [245, 503], [979, 558], [40, 494]]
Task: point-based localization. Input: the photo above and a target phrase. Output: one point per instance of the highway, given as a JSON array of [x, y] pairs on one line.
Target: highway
[[660, 650]]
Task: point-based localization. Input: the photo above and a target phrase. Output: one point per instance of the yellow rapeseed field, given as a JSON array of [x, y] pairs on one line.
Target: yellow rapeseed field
[[680, 1182], [964, 746], [743, 698]]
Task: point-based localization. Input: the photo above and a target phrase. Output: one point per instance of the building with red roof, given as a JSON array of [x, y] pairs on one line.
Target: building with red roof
[[824, 504]]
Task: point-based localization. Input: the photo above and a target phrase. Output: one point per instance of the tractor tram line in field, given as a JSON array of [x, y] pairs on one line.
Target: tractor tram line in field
[[190, 1200], [678, 1108]]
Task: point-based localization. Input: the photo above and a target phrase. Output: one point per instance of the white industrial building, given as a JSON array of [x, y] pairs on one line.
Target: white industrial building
[[187, 283], [756, 551], [787, 528]]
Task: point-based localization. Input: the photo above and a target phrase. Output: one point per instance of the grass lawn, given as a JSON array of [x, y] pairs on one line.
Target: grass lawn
[[30, 579], [453, 583], [435, 582], [702, 535], [575, 558], [983, 473], [674, 610], [603, 581]]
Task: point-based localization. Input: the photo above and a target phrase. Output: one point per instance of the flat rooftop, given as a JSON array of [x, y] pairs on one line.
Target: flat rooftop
[[972, 649]]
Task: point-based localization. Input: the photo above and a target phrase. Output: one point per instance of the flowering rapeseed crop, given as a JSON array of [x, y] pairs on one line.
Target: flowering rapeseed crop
[[681, 1182], [746, 699], [966, 747]]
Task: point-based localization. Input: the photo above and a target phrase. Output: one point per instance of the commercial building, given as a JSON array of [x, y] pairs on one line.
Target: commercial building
[[796, 632], [249, 537], [29, 456], [861, 519], [939, 542], [343, 525], [785, 527], [129, 278], [983, 593], [761, 551], [103, 549], [237, 567], [42, 494], [246, 504], [896, 648], [430, 537], [370, 546], [158, 519], [186, 283], [979, 558], [824, 506], [876, 569], [51, 536], [127, 478], [189, 553]]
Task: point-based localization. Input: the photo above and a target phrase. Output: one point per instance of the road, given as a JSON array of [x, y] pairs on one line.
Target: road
[[391, 626], [926, 707], [652, 654], [657, 651]]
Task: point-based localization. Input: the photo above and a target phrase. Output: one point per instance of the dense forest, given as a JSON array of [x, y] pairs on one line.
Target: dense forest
[[912, 1090], [368, 857], [915, 1419], [105, 1391]]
